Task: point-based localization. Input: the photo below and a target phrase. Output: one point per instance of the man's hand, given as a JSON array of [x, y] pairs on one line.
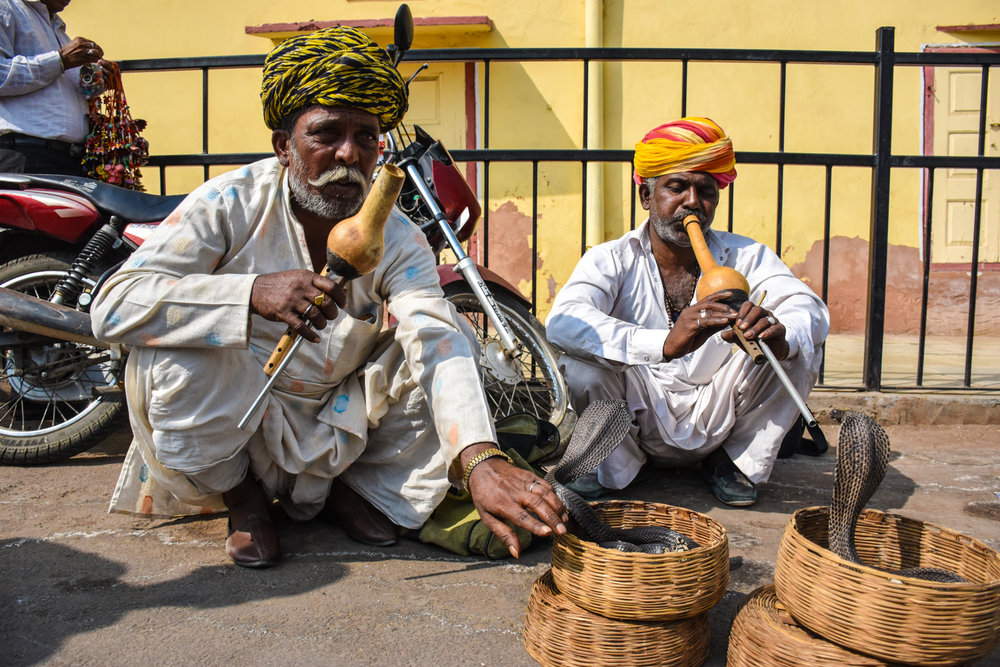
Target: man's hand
[[291, 297], [80, 51], [756, 322], [501, 491], [697, 323]]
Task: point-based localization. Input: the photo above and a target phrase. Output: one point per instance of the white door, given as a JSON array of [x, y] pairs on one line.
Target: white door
[[956, 125]]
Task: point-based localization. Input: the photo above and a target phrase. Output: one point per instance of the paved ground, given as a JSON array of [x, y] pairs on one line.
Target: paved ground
[[943, 362], [80, 586]]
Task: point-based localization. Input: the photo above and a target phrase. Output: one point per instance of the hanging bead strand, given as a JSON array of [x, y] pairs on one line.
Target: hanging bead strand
[[114, 150]]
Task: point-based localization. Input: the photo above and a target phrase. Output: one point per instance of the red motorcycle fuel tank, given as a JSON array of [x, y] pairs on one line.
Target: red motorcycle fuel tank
[[455, 195], [61, 215]]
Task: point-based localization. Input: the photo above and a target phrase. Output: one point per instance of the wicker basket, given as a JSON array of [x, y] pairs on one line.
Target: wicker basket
[[557, 632], [764, 633], [888, 615], [639, 586]]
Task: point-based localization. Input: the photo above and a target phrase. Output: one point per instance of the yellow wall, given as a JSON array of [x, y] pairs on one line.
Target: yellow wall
[[829, 108]]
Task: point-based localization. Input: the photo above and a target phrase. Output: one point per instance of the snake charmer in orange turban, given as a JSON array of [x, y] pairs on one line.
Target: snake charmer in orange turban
[[688, 144]]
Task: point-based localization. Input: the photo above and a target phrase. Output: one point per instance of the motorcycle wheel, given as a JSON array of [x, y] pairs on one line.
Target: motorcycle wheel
[[47, 409], [530, 382]]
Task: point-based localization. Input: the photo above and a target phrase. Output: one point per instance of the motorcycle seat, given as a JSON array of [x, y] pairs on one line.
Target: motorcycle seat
[[131, 205]]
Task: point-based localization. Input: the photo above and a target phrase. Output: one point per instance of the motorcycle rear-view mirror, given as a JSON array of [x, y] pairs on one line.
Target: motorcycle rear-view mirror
[[402, 33]]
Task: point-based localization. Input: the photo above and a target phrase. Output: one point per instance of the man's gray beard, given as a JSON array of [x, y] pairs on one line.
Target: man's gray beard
[[315, 202], [670, 230]]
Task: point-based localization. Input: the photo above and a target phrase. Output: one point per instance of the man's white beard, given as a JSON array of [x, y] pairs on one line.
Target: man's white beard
[[315, 202]]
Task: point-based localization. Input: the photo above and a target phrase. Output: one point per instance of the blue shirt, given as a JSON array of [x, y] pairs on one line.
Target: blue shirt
[[37, 97]]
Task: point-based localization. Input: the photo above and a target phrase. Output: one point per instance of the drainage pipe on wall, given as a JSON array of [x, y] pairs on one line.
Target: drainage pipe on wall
[[595, 125]]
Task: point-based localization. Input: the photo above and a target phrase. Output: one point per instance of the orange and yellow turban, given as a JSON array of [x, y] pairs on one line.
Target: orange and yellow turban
[[688, 144]]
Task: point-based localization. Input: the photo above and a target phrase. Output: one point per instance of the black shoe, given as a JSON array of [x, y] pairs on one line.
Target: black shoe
[[586, 486], [361, 520], [792, 442], [796, 442], [728, 483]]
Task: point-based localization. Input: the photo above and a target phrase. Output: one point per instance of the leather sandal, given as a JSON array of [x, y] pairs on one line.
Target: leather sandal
[[361, 520], [252, 540]]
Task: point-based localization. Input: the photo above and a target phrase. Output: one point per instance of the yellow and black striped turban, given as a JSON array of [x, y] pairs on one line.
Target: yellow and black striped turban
[[688, 144], [337, 66]]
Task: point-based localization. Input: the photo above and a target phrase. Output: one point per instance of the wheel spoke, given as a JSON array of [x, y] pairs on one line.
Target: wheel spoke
[[53, 383], [10, 412], [529, 388]]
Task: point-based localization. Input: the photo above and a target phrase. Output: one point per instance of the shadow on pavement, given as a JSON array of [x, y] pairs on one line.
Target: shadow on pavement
[[52, 592]]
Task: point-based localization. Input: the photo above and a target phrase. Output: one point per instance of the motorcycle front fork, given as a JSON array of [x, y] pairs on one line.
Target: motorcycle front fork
[[465, 265]]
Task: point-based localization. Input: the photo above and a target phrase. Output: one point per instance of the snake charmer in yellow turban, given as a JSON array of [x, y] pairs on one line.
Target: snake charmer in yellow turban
[[688, 144], [338, 66]]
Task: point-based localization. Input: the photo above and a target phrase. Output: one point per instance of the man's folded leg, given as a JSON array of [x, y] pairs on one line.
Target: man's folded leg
[[252, 540], [191, 445]]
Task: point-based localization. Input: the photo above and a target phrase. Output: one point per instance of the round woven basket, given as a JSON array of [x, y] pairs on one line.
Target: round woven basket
[[557, 632], [887, 615], [764, 633], [640, 586]]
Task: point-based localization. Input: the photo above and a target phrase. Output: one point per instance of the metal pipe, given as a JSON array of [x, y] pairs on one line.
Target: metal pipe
[[27, 313], [278, 370], [465, 264], [594, 110], [792, 391], [878, 234]]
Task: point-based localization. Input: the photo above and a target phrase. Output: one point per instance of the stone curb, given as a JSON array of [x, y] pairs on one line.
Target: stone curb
[[911, 408]]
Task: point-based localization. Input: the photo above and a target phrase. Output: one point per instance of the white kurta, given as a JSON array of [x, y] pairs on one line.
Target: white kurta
[[611, 321], [182, 301]]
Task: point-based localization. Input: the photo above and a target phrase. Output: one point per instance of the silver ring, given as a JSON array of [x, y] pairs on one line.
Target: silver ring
[[702, 313], [531, 489], [771, 320]]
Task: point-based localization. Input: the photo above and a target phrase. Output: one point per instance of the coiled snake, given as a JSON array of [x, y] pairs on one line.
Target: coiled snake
[[600, 429], [862, 460]]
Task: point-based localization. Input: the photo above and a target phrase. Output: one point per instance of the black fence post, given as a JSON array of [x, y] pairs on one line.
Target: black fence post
[[879, 232]]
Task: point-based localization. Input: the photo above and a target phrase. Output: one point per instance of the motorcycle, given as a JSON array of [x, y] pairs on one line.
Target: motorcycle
[[60, 388], [518, 367], [61, 237]]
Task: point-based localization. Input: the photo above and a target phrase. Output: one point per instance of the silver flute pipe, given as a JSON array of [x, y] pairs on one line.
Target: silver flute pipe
[[803, 408], [270, 382]]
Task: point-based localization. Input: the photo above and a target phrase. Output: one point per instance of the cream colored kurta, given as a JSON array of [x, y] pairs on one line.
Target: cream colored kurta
[[610, 320], [182, 303]]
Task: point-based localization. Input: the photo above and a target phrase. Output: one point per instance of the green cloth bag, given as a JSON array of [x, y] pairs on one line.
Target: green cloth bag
[[456, 525]]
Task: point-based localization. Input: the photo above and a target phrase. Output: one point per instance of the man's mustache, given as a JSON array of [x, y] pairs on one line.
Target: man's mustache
[[340, 174], [679, 217]]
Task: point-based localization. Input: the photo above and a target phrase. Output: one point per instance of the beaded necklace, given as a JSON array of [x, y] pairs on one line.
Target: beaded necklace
[[671, 310]]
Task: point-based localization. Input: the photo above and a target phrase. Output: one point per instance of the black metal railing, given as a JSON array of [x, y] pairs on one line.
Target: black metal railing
[[881, 161]]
